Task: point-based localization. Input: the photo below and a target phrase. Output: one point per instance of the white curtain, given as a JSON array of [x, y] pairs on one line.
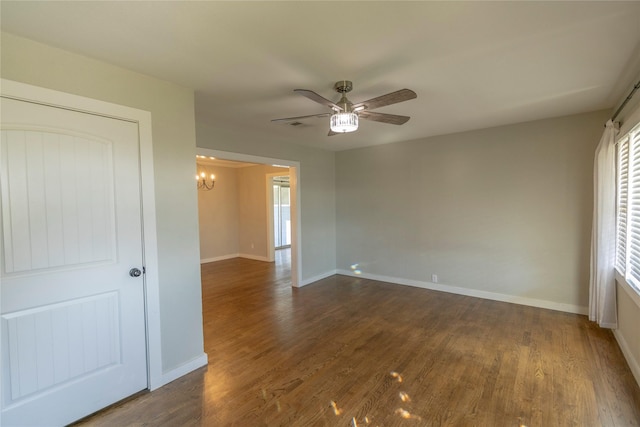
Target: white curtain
[[602, 292]]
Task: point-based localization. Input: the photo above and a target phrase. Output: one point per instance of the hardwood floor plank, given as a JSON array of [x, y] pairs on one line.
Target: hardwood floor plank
[[349, 351]]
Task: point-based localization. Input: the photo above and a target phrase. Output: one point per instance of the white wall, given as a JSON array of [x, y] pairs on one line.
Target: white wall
[[502, 212], [317, 184], [252, 239], [628, 320], [173, 124], [252, 210], [218, 215]]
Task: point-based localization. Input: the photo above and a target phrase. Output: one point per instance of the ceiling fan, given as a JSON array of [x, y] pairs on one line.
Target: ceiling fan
[[345, 115]]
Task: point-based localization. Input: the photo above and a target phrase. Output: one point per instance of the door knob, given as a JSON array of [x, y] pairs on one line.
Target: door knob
[[135, 272]]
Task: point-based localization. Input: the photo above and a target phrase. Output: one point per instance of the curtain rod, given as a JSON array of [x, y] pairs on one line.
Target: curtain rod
[[628, 98]]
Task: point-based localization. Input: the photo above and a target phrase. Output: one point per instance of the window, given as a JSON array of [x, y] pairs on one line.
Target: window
[[628, 208]]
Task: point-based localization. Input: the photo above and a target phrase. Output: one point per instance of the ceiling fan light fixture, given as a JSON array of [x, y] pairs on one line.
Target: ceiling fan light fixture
[[344, 122], [345, 114]]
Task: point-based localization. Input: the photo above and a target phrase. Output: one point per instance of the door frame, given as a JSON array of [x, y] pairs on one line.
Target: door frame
[[39, 95], [296, 224], [271, 232]]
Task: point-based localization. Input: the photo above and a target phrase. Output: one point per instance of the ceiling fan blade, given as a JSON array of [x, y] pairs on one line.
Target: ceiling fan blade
[[388, 99], [290, 119], [317, 98], [383, 117]]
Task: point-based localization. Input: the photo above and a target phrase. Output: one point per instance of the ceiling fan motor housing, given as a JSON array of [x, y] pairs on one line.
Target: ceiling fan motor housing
[[343, 87]]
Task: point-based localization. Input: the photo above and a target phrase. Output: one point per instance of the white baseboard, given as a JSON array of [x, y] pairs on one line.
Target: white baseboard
[[316, 278], [218, 258], [633, 363], [568, 308], [180, 371], [256, 257]]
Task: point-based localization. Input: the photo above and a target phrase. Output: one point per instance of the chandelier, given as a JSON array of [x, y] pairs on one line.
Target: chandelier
[[205, 183]]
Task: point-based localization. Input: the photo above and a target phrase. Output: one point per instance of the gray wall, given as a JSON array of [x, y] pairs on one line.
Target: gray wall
[[504, 210], [172, 109]]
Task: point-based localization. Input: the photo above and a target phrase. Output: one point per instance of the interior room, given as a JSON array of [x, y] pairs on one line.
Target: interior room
[[404, 213], [247, 215]]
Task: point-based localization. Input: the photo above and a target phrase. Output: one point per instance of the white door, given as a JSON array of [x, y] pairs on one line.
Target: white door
[[73, 325]]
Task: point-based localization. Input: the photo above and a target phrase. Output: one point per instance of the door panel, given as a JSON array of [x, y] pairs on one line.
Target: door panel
[[73, 328], [58, 343], [59, 187]]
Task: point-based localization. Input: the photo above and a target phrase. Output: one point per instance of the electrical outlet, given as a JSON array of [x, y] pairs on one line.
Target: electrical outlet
[[434, 278]]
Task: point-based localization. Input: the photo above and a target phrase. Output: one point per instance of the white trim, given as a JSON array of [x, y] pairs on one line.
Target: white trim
[[568, 308], [55, 98], [634, 364], [255, 257], [295, 195], [271, 249], [150, 247], [218, 258], [294, 176], [318, 277], [178, 372]]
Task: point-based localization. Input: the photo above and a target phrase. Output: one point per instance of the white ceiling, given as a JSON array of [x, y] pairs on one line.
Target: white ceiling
[[472, 64], [212, 161]]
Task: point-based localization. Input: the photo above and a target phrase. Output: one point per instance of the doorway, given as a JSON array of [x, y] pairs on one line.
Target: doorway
[[281, 212], [265, 221]]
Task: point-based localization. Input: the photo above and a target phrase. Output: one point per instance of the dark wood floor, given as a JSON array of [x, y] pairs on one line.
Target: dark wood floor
[[354, 352]]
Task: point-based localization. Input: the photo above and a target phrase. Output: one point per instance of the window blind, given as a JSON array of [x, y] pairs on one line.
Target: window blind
[[628, 207], [633, 207], [621, 208]]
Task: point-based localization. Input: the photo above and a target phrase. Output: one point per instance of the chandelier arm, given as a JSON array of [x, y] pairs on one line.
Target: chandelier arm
[[204, 184]]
